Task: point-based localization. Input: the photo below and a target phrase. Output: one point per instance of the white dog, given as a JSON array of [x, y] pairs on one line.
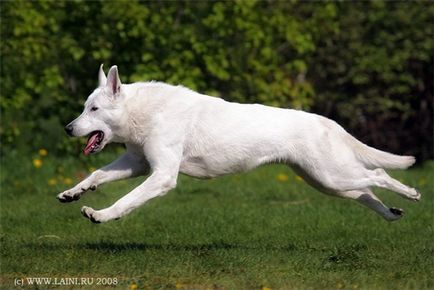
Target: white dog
[[169, 130]]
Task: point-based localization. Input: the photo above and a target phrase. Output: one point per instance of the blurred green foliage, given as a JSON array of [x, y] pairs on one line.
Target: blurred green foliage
[[368, 65]]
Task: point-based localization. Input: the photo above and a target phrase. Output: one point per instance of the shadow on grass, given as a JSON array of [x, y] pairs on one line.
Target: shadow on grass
[[119, 247], [107, 246]]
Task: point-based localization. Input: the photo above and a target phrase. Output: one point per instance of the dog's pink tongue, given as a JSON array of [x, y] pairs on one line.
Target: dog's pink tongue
[[92, 140]]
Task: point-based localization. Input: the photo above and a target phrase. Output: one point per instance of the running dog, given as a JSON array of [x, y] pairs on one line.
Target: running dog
[[169, 130]]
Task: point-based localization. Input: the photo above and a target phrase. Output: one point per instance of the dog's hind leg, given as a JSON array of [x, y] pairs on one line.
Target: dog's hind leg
[[378, 178], [367, 198], [128, 165], [381, 179], [359, 178], [355, 182]]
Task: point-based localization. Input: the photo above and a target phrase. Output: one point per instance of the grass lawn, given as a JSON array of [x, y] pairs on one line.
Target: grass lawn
[[259, 230]]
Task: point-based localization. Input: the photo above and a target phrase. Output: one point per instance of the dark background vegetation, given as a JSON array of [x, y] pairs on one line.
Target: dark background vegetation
[[367, 65]]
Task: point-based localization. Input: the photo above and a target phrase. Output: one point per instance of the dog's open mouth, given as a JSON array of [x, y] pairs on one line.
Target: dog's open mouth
[[94, 142]]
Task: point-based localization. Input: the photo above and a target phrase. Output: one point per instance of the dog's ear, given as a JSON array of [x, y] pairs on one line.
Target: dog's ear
[[113, 81], [102, 79]]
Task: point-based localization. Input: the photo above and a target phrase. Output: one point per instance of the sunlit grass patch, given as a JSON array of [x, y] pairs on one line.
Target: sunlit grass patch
[[245, 231]]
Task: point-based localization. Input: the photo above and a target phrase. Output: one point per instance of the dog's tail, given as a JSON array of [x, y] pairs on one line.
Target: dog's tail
[[374, 158]]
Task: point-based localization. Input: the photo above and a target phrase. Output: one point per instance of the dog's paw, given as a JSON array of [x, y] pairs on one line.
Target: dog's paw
[[414, 195], [68, 196], [394, 214], [75, 193], [397, 211], [91, 214]]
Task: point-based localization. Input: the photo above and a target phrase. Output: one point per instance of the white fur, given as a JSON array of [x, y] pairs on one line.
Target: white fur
[[170, 130]]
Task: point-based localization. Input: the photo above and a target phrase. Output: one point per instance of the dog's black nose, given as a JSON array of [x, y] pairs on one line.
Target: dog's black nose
[[69, 129]]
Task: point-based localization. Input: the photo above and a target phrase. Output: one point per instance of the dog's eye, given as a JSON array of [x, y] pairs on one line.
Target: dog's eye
[[93, 109]]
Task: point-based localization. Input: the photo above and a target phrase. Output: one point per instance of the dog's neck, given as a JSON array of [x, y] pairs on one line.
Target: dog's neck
[[138, 107]]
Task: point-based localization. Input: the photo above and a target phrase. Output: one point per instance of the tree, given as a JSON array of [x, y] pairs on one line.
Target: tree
[[368, 65]]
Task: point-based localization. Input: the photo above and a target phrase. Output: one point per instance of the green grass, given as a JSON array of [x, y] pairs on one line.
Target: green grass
[[244, 231]]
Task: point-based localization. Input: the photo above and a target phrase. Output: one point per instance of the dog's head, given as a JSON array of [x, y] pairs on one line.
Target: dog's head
[[101, 114]]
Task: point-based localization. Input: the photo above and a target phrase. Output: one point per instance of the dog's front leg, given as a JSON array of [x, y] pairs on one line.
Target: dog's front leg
[[128, 165], [158, 184], [164, 163]]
